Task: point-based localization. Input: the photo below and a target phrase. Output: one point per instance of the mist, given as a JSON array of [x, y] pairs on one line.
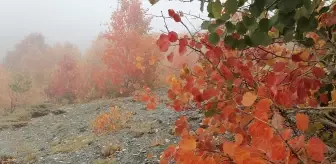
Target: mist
[[76, 21]]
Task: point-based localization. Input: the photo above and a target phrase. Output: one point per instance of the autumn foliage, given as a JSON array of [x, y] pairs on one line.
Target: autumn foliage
[[131, 56], [258, 79]]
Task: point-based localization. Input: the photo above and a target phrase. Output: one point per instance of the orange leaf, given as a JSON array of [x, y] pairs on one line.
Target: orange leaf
[[316, 149], [188, 143], [238, 139], [278, 149], [249, 98], [229, 148], [302, 121], [151, 106]]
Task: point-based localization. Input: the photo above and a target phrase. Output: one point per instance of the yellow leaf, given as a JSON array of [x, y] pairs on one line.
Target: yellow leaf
[[139, 58], [143, 69], [151, 61], [304, 55], [249, 98], [138, 65], [333, 95]]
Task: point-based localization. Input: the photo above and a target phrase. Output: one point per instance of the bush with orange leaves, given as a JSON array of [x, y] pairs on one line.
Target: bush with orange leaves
[[111, 121]]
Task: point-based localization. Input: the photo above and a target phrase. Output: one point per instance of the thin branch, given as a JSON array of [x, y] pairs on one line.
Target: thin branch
[[164, 20]]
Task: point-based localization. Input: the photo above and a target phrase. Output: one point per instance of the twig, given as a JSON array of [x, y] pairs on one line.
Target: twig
[[164, 20]]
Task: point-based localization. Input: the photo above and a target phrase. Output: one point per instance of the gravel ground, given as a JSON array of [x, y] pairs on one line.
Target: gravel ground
[[66, 136]]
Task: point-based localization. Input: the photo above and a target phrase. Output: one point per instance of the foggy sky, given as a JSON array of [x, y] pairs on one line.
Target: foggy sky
[[76, 21]]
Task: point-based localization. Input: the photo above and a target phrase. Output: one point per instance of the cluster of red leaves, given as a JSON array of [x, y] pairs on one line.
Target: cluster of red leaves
[[247, 94], [147, 97]]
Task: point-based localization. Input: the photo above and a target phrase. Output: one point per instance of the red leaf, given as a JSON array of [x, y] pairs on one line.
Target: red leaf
[[324, 98], [316, 149], [183, 45], [278, 149], [226, 72], [287, 134], [170, 57], [302, 121], [151, 106], [318, 72], [297, 57], [271, 79], [163, 43], [171, 12], [172, 36], [278, 67], [198, 45], [177, 18], [209, 93]]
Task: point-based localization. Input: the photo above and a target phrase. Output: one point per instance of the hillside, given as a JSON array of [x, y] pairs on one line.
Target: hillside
[[63, 134]]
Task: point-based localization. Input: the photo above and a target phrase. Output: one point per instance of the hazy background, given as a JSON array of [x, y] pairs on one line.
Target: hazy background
[[76, 21]]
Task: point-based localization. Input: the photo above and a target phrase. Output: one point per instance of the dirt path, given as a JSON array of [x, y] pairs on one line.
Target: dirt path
[[66, 136]]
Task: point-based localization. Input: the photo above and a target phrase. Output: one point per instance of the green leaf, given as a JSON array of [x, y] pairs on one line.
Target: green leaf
[[301, 12], [248, 21], [229, 40], [267, 40], [309, 42], [308, 5], [231, 6], [241, 2], [230, 27], [247, 40], [313, 23], [257, 7], [214, 38], [264, 25], [212, 27], [209, 9], [257, 37], [240, 44], [329, 87], [210, 113], [205, 25], [303, 24], [324, 9], [286, 6], [287, 19], [288, 34], [241, 29], [225, 17], [217, 9]]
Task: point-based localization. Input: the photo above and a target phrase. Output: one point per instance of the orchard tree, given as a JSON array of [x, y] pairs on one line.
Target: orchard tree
[[264, 81], [131, 54]]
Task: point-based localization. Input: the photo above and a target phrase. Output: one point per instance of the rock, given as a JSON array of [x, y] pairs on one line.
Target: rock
[[20, 124], [83, 129], [136, 134], [39, 113], [58, 112]]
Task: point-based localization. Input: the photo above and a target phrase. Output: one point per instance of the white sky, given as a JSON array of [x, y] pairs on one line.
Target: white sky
[[76, 21]]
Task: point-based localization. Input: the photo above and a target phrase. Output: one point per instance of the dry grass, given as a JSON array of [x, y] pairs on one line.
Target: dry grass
[[108, 151], [72, 144]]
